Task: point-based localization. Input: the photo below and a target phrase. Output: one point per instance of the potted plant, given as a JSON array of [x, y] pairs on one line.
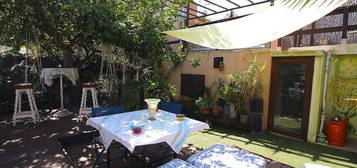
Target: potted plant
[[215, 109], [233, 91], [208, 101], [254, 89], [343, 103], [337, 130], [254, 84], [203, 106]]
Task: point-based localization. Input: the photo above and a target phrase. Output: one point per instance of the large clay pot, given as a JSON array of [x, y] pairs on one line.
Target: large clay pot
[[205, 111], [215, 110], [337, 132]]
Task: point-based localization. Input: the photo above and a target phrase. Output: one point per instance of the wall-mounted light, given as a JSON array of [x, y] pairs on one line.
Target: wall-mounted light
[[218, 63]]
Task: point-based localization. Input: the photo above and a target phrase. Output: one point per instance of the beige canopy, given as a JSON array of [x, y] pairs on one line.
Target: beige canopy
[[261, 27]]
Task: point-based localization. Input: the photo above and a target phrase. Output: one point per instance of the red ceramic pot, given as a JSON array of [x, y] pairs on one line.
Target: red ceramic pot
[[337, 132]]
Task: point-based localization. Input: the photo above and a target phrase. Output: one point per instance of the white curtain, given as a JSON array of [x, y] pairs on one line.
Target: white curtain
[[264, 26]]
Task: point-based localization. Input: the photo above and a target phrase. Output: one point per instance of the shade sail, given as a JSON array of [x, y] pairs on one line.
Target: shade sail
[[264, 26]]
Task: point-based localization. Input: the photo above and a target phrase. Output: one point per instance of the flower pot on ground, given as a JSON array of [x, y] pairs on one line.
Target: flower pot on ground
[[337, 132], [256, 108], [230, 111], [232, 92], [207, 101], [215, 110], [203, 105], [205, 111]]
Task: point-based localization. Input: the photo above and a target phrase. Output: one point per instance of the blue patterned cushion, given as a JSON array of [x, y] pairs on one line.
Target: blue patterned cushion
[[226, 157], [177, 163]]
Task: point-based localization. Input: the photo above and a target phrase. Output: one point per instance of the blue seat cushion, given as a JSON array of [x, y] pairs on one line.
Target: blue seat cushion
[[170, 107], [223, 156], [177, 163], [103, 111]]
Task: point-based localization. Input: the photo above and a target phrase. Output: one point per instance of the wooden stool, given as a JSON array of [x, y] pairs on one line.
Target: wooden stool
[[84, 109], [25, 88]]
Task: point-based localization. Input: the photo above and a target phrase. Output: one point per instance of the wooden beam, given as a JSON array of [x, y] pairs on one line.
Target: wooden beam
[[233, 3], [187, 13], [324, 30], [218, 21], [174, 42], [250, 1], [231, 9], [216, 4], [196, 11], [312, 34], [203, 6], [345, 23]]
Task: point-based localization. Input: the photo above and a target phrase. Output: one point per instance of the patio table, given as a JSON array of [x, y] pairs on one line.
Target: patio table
[[166, 128]]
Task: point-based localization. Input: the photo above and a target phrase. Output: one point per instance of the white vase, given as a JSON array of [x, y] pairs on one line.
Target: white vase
[[152, 106]]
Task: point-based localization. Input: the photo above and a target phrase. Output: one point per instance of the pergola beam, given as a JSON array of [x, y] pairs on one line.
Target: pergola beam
[[196, 11], [220, 6], [262, 2], [233, 3], [251, 1], [203, 6], [187, 13]]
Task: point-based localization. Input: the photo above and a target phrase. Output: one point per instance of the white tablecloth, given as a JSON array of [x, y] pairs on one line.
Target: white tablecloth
[[48, 74], [166, 128]]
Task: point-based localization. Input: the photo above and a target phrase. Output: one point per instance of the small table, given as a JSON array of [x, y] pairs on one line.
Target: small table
[[48, 74], [166, 128]]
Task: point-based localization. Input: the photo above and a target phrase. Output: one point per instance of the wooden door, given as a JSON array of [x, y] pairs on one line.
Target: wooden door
[[290, 95]]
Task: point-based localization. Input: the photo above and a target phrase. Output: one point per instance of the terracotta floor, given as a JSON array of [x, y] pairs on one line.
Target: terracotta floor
[[32, 146], [29, 145]]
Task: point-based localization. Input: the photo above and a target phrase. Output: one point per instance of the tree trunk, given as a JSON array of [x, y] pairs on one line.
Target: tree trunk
[[76, 90], [68, 58]]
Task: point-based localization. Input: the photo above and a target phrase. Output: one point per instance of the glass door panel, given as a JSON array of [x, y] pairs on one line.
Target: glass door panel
[[290, 95]]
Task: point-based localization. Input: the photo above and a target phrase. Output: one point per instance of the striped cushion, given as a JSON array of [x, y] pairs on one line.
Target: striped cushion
[[177, 163], [226, 157], [309, 165]]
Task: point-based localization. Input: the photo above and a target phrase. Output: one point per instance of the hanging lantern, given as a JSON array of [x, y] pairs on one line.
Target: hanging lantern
[[137, 68]]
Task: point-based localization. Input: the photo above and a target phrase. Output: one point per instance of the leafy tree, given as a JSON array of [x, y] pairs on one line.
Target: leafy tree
[[66, 28]]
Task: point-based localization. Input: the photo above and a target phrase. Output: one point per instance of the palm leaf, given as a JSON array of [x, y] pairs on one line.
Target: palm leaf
[[307, 3]]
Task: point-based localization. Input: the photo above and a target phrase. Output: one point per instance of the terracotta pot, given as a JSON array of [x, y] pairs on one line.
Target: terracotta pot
[[205, 111], [215, 110], [337, 132]]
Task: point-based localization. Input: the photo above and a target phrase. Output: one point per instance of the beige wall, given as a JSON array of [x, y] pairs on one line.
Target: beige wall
[[234, 63]]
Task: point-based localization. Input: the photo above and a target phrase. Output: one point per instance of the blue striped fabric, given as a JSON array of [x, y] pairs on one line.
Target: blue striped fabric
[[222, 156], [177, 163]]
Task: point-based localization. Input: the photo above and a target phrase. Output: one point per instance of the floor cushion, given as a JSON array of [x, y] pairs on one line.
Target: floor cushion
[[309, 165], [223, 156], [177, 163]]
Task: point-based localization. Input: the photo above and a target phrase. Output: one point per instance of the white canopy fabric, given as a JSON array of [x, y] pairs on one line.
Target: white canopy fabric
[[266, 25]]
